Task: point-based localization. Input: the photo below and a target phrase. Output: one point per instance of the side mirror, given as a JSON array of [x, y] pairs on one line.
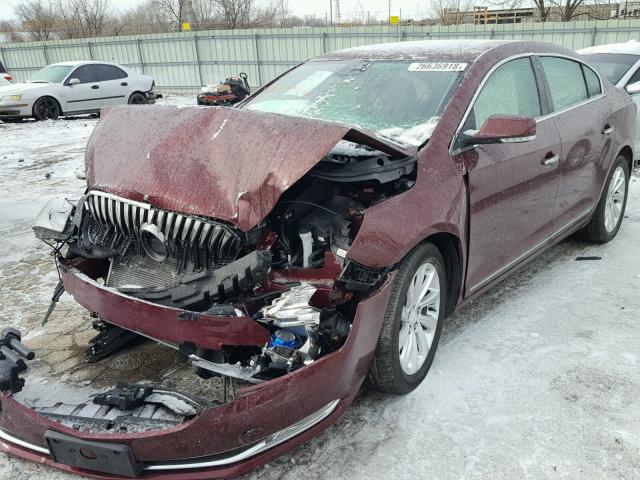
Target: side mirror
[[633, 88], [501, 129], [73, 81]]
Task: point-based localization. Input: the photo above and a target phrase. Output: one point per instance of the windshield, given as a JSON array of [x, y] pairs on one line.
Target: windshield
[[51, 74], [613, 66], [399, 100]]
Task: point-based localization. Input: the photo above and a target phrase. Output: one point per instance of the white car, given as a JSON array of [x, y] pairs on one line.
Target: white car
[[72, 88], [5, 78], [620, 64]]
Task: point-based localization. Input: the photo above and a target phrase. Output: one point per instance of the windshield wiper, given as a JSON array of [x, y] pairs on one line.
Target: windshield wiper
[[37, 81]]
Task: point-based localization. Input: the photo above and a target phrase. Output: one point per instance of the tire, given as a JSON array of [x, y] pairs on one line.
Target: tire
[[138, 98], [602, 227], [46, 108], [391, 370]]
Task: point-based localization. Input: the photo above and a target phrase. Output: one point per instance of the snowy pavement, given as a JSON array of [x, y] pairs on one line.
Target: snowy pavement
[[539, 378]]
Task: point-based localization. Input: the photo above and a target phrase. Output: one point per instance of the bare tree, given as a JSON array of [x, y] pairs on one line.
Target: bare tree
[[451, 12], [38, 19], [174, 10], [11, 32]]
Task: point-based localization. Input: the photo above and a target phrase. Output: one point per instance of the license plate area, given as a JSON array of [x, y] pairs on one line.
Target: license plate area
[[114, 458]]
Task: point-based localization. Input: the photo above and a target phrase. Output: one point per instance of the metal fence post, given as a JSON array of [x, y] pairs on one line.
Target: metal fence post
[[324, 42], [46, 57], [593, 35], [139, 41], [195, 45], [258, 63], [90, 51]]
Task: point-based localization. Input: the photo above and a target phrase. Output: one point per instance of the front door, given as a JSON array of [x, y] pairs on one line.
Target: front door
[[512, 186], [86, 95]]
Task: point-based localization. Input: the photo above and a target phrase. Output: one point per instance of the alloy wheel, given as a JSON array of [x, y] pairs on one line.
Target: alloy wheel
[[419, 319], [615, 199]]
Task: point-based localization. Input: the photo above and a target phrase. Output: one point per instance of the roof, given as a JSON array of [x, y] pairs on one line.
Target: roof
[[75, 63], [446, 50], [630, 47]]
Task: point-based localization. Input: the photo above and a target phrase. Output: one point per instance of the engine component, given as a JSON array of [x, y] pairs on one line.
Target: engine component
[[116, 226], [292, 309], [380, 168], [332, 331], [199, 290], [306, 237], [13, 354]]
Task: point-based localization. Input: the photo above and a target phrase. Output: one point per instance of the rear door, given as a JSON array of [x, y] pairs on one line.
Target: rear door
[[512, 186], [114, 84], [86, 95], [635, 77], [581, 114]]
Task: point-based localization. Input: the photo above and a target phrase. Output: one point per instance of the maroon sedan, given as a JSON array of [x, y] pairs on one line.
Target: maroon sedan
[[310, 239]]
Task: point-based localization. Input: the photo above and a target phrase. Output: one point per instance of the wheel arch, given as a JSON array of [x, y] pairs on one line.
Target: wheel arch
[[450, 247], [627, 153], [57, 100]]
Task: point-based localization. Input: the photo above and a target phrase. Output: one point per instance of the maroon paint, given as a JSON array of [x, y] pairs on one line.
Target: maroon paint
[[506, 126], [270, 406], [218, 176], [475, 196]]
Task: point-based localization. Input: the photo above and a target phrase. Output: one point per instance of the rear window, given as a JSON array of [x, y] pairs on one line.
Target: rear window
[[566, 82], [2, 70]]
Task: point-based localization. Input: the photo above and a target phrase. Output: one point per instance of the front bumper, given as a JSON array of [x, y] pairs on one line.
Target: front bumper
[[16, 110], [263, 422]]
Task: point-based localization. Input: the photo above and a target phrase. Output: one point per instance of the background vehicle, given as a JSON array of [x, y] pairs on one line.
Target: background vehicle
[[620, 64], [72, 88], [5, 78], [232, 90], [303, 252]]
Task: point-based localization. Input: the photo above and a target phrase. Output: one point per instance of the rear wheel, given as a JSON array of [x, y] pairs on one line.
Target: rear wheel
[[138, 99], [412, 322], [607, 218], [46, 108]]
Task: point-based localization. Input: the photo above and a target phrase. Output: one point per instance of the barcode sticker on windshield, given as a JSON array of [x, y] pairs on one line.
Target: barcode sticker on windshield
[[437, 67]]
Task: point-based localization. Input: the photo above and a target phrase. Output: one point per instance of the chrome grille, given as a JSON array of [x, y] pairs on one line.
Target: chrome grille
[[208, 242]]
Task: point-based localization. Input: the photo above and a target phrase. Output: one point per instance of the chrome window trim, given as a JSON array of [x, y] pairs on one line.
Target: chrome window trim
[[538, 119]]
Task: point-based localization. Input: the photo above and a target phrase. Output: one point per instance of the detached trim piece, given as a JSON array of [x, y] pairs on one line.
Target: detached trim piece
[[263, 445]]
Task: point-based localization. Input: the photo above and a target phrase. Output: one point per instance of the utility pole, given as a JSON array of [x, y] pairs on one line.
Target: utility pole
[[389, 16], [331, 11], [338, 20]]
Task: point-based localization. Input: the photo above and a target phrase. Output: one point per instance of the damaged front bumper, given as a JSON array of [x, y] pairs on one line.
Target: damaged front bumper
[[261, 423]]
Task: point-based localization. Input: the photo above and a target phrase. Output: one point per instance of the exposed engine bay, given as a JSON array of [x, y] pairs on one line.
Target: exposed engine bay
[[290, 273]]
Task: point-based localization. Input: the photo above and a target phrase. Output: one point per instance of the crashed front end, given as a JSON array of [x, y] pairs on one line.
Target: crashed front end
[[235, 253]]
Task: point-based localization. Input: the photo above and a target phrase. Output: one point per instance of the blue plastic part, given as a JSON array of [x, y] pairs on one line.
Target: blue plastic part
[[284, 338]]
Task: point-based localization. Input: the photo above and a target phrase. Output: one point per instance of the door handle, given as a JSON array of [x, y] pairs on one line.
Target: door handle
[[124, 84], [550, 158], [607, 129], [95, 87]]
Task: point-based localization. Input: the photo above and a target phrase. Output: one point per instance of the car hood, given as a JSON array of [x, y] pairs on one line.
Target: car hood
[[220, 162], [18, 88]]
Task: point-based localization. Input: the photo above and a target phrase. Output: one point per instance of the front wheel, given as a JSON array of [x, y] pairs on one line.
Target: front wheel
[[412, 322], [46, 108], [138, 99], [607, 218]]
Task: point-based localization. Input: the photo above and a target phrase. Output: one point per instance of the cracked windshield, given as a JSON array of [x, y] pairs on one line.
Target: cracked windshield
[[401, 101]]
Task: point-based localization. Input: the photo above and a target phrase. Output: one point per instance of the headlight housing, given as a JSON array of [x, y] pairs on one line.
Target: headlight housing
[[11, 98]]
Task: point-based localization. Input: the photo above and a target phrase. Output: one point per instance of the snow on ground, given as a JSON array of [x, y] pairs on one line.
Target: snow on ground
[[539, 378]]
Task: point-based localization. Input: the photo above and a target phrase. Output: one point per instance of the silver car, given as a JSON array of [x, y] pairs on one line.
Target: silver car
[[73, 88], [620, 64]]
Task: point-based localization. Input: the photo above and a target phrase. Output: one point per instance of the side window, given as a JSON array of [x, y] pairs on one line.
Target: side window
[[635, 77], [86, 74], [109, 72], [593, 83], [510, 90], [566, 81]]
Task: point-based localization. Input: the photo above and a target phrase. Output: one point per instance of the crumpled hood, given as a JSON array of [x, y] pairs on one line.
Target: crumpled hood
[[220, 162]]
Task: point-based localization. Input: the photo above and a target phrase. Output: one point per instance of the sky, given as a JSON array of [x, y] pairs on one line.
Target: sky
[[350, 8]]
